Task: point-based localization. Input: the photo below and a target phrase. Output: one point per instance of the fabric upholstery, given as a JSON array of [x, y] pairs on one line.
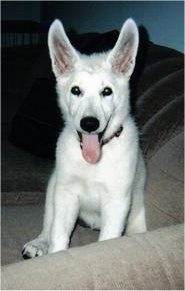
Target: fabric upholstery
[[165, 185], [143, 262]]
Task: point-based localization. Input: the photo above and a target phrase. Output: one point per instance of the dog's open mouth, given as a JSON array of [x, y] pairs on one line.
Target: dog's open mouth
[[91, 146]]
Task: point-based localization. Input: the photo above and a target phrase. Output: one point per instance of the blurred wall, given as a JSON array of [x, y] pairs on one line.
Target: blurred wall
[[164, 20], [21, 10]]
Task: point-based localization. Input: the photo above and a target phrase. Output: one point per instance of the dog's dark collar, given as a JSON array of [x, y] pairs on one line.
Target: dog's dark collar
[[116, 134]]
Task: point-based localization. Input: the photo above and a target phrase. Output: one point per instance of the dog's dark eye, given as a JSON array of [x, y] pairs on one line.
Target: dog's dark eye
[[107, 91], [76, 91]]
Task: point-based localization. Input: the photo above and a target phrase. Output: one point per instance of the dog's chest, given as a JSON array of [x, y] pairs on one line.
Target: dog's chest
[[90, 195], [89, 186]]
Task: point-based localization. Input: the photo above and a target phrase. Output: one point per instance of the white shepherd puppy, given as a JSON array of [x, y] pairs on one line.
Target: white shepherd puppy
[[100, 173]]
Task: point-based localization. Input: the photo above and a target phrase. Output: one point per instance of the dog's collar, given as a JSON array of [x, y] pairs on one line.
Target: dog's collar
[[116, 134]]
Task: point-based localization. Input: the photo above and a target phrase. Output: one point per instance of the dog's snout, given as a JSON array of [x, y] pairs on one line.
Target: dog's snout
[[89, 124]]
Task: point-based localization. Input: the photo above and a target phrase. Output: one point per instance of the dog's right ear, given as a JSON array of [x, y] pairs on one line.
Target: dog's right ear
[[63, 54]]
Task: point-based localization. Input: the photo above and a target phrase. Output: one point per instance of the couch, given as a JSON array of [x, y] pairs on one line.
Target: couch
[[152, 260]]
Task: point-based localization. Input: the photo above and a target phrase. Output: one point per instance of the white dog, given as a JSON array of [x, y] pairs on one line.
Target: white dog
[[100, 173]]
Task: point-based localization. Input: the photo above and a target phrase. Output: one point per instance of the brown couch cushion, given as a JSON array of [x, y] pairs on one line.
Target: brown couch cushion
[[165, 186]]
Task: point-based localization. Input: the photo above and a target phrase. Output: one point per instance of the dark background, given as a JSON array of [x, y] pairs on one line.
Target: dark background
[[164, 20]]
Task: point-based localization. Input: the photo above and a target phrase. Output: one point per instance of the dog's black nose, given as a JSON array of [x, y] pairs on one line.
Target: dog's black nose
[[89, 123]]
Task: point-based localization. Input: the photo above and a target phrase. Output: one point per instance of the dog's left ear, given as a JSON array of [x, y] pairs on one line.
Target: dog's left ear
[[123, 55], [63, 54]]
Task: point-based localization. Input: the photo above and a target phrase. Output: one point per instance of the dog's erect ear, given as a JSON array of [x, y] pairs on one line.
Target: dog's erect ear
[[63, 54], [123, 55]]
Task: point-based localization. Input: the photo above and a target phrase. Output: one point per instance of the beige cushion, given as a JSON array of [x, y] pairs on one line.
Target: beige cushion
[[146, 261], [166, 172]]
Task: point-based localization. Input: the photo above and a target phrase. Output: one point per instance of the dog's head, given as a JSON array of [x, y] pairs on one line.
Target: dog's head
[[93, 90]]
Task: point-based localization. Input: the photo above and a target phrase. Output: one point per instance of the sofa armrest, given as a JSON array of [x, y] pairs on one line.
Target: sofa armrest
[[152, 260]]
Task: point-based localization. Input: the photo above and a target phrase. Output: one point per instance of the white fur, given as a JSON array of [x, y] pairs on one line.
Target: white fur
[[108, 194]]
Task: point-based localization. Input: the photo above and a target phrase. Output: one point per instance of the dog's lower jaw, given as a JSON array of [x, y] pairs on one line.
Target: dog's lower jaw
[[91, 144], [101, 135], [91, 148]]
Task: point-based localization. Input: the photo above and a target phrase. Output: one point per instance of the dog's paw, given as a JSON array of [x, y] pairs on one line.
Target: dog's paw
[[34, 248]]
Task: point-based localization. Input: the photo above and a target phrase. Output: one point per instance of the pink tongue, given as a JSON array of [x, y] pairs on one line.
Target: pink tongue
[[90, 147]]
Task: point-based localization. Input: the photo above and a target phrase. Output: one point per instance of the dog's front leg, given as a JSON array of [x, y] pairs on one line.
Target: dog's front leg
[[113, 217], [66, 209]]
